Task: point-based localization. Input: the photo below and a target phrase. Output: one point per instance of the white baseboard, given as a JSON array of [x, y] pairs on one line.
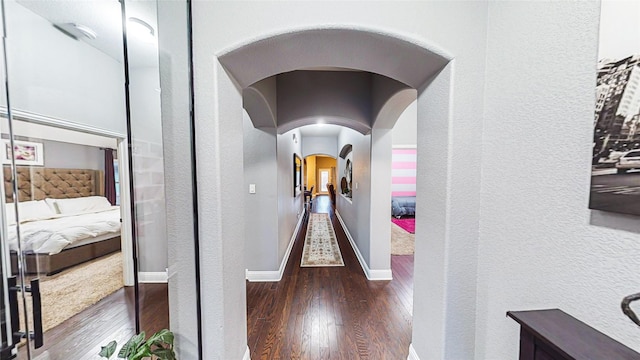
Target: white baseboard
[[152, 277], [247, 354], [270, 275], [371, 274], [263, 275], [412, 353]]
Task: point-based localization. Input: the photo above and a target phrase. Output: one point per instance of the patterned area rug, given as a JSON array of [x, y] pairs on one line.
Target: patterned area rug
[[408, 224], [402, 242], [320, 245], [73, 290]]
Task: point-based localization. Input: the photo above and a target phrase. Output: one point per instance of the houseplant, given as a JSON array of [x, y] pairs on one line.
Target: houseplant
[[159, 346]]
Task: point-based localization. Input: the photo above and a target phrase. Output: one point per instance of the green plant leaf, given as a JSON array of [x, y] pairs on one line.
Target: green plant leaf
[[132, 346], [161, 338], [108, 350], [143, 352], [164, 354]]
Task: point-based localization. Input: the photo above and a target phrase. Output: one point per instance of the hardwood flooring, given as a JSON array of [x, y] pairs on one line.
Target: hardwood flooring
[[112, 318], [331, 312]]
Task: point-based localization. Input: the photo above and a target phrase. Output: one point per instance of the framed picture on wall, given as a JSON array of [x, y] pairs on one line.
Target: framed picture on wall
[[26, 152], [615, 162]]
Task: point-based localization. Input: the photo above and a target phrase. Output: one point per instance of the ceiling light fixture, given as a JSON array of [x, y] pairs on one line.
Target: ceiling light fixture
[[141, 29], [76, 31], [86, 31]]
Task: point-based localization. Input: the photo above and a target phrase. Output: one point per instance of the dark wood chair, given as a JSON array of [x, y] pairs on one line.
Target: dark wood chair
[[309, 194], [332, 194]]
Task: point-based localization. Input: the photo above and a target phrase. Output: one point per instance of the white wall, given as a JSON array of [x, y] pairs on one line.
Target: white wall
[[261, 208], [71, 156], [173, 43], [53, 75], [540, 247], [320, 145], [356, 211], [290, 208], [405, 131]]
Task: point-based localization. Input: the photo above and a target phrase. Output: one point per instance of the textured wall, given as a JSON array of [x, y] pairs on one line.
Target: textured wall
[[404, 131], [355, 212], [540, 247], [289, 206], [261, 208], [173, 44]]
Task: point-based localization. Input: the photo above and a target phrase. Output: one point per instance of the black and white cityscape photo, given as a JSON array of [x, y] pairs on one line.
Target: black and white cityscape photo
[[615, 175]]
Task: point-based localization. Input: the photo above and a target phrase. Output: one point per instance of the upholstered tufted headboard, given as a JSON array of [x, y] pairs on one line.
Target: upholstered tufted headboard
[[37, 183]]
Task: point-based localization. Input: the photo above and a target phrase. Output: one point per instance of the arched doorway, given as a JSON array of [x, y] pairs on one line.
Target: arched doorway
[[421, 66]]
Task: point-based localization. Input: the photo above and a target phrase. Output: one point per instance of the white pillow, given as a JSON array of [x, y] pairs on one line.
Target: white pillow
[[11, 214], [29, 211], [82, 204]]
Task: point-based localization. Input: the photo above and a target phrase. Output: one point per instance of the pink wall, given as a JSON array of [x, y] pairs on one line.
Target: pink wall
[[403, 172]]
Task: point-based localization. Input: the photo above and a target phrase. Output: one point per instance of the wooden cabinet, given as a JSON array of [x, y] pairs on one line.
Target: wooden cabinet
[[555, 335]]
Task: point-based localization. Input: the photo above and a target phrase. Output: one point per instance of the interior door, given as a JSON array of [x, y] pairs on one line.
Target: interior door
[[66, 115], [14, 333]]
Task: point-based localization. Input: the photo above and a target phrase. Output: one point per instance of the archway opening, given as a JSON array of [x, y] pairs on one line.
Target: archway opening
[[425, 69]]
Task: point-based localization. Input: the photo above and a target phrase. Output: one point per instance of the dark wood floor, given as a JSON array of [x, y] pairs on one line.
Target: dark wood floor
[[112, 318], [331, 312]]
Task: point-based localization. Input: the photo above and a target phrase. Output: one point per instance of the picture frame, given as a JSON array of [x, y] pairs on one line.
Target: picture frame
[[26, 153], [297, 175], [615, 162]]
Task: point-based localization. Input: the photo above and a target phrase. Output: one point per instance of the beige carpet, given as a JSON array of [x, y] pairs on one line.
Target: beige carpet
[[73, 290], [320, 244], [402, 242]]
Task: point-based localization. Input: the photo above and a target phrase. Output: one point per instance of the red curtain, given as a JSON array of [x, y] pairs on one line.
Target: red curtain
[[109, 177]]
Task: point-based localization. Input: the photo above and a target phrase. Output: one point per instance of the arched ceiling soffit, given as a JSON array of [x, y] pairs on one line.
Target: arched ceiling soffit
[[408, 60], [258, 108], [394, 107], [320, 154], [349, 123]]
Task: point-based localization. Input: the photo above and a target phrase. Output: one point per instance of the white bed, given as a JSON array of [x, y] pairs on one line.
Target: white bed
[[55, 232]]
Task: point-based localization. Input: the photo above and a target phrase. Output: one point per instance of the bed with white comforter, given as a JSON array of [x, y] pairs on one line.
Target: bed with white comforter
[[51, 225]]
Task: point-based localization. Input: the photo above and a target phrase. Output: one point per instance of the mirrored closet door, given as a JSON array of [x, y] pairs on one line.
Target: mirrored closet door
[[86, 248], [67, 218]]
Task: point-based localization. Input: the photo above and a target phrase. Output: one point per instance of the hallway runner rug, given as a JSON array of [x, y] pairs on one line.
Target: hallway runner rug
[[320, 244]]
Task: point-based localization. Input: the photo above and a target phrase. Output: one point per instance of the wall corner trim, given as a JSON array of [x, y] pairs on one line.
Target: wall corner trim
[[270, 275], [158, 277], [247, 354], [371, 274], [412, 353]]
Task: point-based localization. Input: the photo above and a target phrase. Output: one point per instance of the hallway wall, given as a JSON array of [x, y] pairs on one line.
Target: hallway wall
[[540, 246], [290, 207], [261, 208], [355, 211]]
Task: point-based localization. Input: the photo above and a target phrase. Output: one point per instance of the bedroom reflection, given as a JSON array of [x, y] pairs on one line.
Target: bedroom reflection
[[66, 76], [70, 141]]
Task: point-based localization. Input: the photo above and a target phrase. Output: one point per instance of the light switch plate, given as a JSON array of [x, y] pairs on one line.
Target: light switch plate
[[252, 188]]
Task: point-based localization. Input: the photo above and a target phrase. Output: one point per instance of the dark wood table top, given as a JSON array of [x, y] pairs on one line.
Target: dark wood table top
[[570, 336]]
